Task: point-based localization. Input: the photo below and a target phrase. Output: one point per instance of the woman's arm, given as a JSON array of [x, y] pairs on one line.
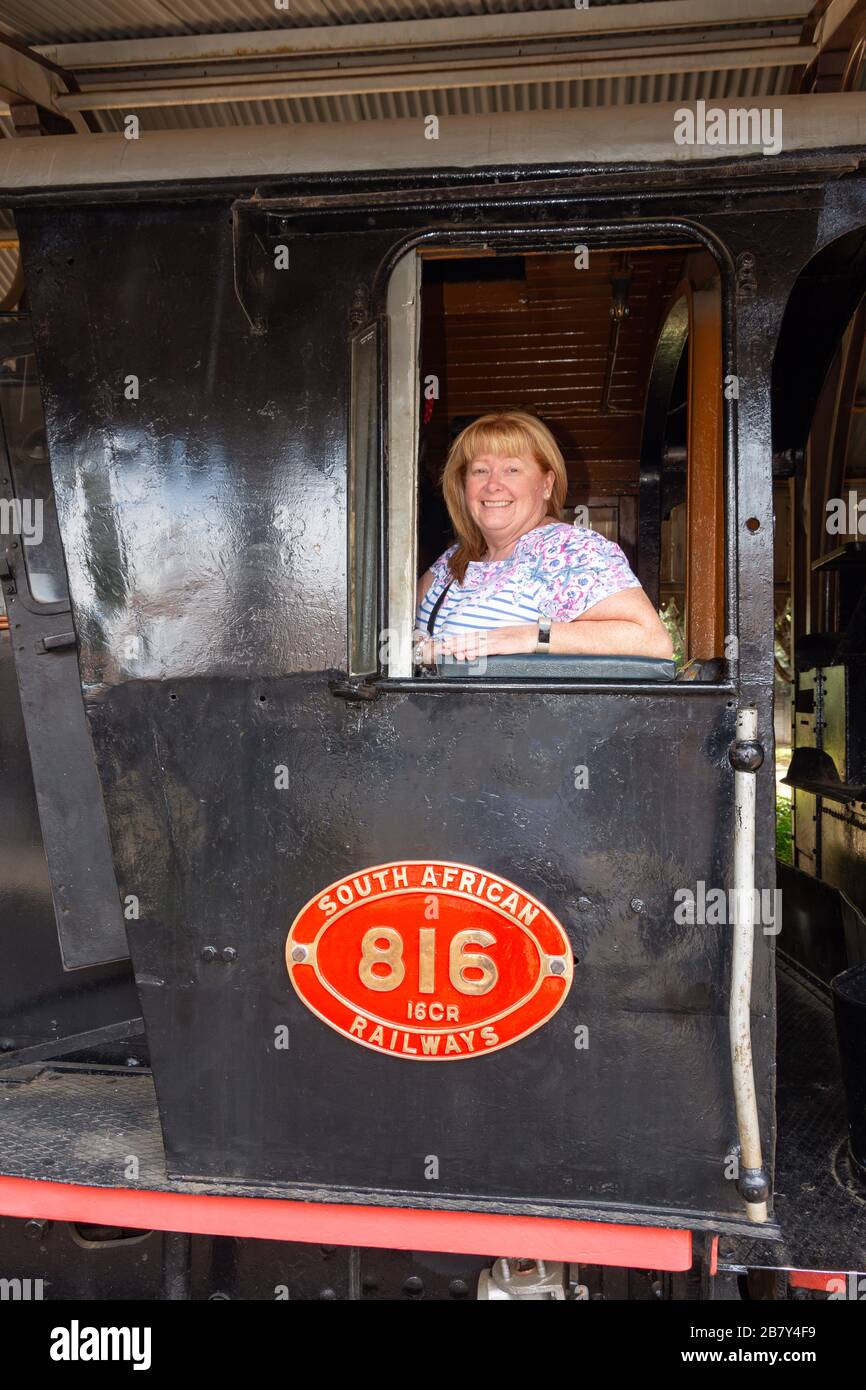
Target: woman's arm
[[625, 624], [423, 585]]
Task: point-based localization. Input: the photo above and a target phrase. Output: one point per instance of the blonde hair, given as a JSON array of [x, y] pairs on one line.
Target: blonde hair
[[507, 433]]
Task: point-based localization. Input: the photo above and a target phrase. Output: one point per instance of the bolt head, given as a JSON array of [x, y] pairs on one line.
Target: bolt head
[[209, 953], [746, 755], [229, 953], [637, 905], [299, 953]]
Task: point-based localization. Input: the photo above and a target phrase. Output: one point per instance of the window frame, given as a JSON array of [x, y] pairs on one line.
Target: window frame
[[365, 492], [400, 484]]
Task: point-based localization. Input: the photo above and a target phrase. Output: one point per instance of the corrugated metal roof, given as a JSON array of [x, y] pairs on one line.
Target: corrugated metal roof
[[56, 21], [743, 72], [729, 84]]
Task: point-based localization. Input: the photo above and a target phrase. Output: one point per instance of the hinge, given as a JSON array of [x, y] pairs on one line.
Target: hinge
[[355, 688]]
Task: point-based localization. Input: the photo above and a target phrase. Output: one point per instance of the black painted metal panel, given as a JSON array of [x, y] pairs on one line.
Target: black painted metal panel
[[643, 1116]]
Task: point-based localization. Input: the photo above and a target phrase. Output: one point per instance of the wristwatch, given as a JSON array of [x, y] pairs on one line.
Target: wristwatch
[[542, 643]]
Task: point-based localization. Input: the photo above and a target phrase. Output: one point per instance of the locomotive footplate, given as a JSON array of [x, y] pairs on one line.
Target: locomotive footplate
[[819, 1206], [820, 1213], [96, 1128]]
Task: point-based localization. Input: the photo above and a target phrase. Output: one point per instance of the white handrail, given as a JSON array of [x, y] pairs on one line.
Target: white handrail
[[741, 965]]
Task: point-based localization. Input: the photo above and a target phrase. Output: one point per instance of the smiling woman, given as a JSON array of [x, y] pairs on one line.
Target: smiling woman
[[519, 579]]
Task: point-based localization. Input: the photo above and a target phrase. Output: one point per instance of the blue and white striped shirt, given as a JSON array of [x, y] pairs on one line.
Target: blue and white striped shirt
[[556, 571]]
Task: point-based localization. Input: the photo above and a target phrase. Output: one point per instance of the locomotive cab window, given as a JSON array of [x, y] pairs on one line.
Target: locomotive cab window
[[554, 465]]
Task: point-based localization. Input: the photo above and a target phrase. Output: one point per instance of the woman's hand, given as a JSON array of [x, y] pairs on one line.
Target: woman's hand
[[475, 646], [497, 641]]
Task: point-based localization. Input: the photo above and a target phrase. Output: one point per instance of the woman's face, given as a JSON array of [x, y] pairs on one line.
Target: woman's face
[[507, 496]]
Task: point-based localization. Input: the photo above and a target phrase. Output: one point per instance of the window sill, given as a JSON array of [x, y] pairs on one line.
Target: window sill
[[357, 690]]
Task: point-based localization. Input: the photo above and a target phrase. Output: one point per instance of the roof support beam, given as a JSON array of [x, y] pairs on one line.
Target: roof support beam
[[28, 81], [646, 18], [339, 82]]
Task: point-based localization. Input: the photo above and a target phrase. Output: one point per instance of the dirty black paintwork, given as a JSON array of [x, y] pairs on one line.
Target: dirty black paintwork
[[207, 519], [226, 866]]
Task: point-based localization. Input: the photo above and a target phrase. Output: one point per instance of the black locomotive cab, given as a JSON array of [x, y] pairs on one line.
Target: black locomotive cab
[[362, 942]]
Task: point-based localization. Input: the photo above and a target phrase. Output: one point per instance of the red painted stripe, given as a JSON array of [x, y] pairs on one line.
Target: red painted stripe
[[714, 1255], [816, 1279], [319, 1223]]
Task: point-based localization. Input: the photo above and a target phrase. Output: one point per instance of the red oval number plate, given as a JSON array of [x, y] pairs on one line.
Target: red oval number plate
[[429, 961]]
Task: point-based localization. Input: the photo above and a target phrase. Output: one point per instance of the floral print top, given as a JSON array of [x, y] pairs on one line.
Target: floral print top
[[555, 571]]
